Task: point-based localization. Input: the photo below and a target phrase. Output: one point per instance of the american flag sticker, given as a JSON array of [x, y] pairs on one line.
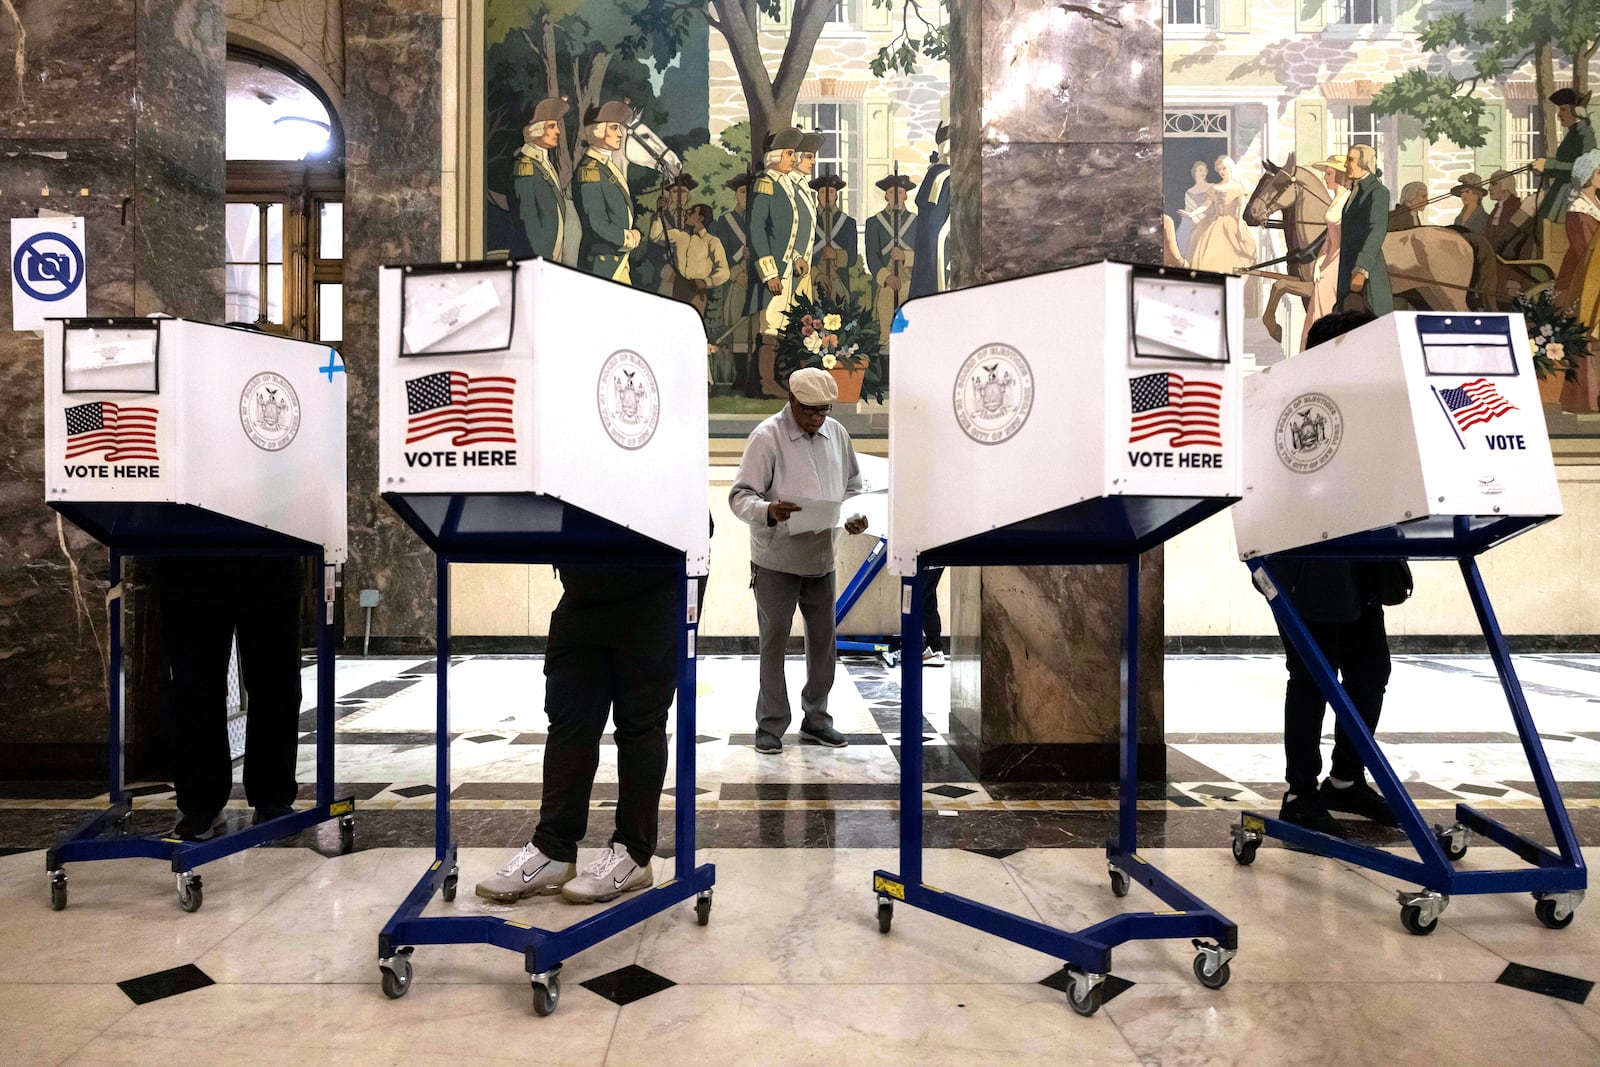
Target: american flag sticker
[[1185, 410], [117, 431], [1474, 403], [473, 410]]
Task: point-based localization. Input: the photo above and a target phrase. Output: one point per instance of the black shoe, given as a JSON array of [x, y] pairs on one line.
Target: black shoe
[[1307, 812], [823, 735], [268, 812], [1358, 799], [768, 744], [196, 827]]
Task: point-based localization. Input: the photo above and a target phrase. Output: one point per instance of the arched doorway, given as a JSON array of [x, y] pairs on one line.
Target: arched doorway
[[285, 212]]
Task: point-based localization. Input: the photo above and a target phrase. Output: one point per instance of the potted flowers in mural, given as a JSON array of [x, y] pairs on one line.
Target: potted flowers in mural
[[1558, 338], [836, 335]]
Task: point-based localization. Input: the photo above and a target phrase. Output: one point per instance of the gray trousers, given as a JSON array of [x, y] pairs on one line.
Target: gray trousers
[[777, 595]]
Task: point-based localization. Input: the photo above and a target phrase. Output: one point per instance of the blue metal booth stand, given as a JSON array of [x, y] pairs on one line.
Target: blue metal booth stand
[[146, 516], [1013, 442], [598, 456]]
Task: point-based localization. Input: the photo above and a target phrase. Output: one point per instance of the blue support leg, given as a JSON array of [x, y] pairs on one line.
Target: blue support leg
[[1128, 809], [911, 731], [441, 674], [116, 784], [684, 801], [325, 686]]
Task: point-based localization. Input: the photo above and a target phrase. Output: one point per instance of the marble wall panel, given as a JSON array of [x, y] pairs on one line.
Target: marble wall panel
[[392, 215], [69, 72]]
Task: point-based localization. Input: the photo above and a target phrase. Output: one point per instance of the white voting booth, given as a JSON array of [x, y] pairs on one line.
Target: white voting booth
[[506, 382], [246, 428], [1416, 436], [1411, 418], [166, 437], [1078, 417], [1021, 398], [533, 413]]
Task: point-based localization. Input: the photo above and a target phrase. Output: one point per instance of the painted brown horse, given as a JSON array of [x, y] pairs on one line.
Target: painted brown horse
[[1434, 268]]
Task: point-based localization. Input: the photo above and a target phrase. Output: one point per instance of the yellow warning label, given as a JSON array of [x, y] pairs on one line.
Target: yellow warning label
[[341, 807], [436, 865], [519, 926], [1253, 824], [1138, 859], [669, 881], [1169, 913], [880, 884]]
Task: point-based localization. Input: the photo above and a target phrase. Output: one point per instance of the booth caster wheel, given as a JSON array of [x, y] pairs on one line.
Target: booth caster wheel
[[885, 915], [58, 890], [1453, 840], [1120, 882], [1244, 854], [190, 892], [1411, 918], [1246, 839], [1216, 978], [889, 659], [702, 908], [1419, 912], [347, 834], [1557, 910], [1086, 992], [448, 889], [396, 974], [546, 992]]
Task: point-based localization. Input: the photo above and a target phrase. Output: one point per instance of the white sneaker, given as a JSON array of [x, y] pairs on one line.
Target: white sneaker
[[529, 873], [932, 657], [612, 874]]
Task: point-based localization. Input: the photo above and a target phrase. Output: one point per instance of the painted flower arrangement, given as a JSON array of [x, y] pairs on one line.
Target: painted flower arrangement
[[831, 334], [1559, 339]]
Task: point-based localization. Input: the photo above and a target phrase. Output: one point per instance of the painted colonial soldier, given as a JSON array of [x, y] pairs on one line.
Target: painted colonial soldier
[[605, 206], [774, 225], [539, 200], [1557, 171], [890, 252], [1362, 273], [805, 202], [671, 208], [834, 252], [732, 229], [931, 271]]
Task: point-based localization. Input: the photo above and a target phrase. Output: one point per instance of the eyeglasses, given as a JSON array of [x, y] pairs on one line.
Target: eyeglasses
[[822, 409]]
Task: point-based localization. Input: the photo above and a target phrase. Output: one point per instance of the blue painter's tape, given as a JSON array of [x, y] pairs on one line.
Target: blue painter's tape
[[899, 323], [335, 365]]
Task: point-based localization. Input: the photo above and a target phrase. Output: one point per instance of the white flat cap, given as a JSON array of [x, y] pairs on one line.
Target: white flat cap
[[813, 386]]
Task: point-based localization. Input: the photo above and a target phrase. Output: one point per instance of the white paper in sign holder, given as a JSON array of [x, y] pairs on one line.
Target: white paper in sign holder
[[460, 308], [1179, 318]]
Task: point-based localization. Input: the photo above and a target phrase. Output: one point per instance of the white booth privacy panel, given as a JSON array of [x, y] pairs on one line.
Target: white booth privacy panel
[[241, 423], [596, 395], [1019, 398], [1411, 416]]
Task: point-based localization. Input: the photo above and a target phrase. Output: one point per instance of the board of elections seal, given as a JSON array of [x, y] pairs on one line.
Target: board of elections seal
[[629, 401], [993, 394], [1309, 432], [269, 411]]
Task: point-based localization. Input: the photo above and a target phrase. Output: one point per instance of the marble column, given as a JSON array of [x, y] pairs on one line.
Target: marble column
[[392, 215], [1056, 139], [112, 110]]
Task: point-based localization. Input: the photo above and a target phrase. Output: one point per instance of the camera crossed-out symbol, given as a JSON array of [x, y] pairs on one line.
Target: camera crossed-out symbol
[[48, 260]]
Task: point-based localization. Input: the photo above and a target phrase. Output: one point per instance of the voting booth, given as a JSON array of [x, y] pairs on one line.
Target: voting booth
[[1081, 416], [1416, 436], [167, 437], [532, 413]]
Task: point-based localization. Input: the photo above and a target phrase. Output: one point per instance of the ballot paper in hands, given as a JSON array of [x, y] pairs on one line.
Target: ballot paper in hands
[[813, 516]]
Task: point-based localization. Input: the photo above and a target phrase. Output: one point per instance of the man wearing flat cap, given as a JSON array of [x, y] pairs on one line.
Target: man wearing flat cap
[[891, 252], [930, 271], [605, 206], [540, 201], [834, 253], [774, 225], [798, 454], [1557, 171]]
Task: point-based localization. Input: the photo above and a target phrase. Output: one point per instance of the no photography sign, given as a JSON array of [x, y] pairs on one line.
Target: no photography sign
[[47, 271]]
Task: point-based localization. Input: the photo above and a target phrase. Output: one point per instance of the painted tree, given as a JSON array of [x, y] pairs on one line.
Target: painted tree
[[1545, 33], [919, 37]]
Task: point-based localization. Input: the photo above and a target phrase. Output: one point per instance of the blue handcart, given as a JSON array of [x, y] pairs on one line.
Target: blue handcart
[[1113, 531], [470, 529], [1556, 877]]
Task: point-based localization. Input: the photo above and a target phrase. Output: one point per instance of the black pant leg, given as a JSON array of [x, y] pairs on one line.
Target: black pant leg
[[199, 636], [932, 627], [646, 682], [578, 693], [1365, 666], [269, 662], [1303, 711]]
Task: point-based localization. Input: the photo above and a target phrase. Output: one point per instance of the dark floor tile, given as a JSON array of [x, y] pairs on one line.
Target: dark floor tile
[[414, 791], [1482, 790], [163, 984], [349, 703], [1111, 988], [1549, 983], [1558, 737], [1182, 768], [378, 690], [952, 791], [940, 763], [841, 791], [1184, 801], [995, 853], [672, 791], [399, 738], [1218, 791], [701, 739], [1569, 790], [484, 739], [628, 984]]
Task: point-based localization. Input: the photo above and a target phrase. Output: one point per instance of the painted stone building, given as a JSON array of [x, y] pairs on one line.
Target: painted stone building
[[1259, 79], [869, 124]]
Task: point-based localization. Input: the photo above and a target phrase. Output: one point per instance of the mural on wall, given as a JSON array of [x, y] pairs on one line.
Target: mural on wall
[[1410, 154], [776, 164]]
